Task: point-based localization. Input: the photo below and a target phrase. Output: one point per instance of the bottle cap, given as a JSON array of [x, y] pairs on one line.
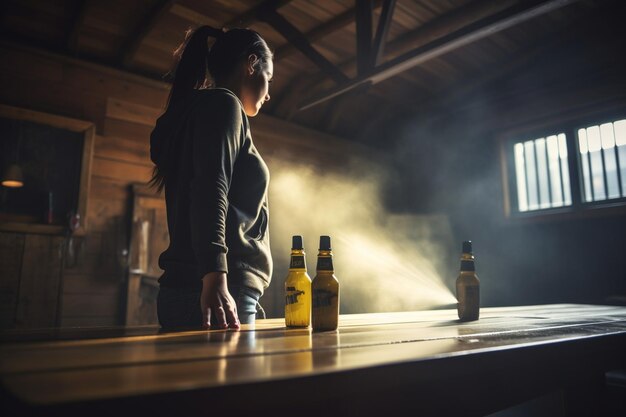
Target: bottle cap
[[324, 242], [296, 242], [467, 246]]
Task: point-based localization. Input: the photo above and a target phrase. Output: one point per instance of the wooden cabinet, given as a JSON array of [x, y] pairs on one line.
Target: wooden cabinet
[[30, 280]]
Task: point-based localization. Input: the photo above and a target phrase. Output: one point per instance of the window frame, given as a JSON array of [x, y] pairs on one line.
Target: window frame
[[569, 125], [88, 130]]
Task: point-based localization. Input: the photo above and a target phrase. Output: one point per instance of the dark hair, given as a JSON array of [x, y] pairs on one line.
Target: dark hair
[[200, 66]]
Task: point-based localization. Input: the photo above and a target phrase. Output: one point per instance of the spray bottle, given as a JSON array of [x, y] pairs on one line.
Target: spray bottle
[[468, 286]]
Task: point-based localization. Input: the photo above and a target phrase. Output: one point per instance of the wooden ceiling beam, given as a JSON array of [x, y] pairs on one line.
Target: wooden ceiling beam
[[447, 23], [432, 30], [472, 33], [286, 101], [321, 31], [441, 26], [299, 40], [317, 33], [136, 37], [437, 105], [384, 22], [364, 9]]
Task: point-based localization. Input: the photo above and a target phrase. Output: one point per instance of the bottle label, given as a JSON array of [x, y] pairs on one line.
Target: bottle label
[[323, 298], [325, 263], [297, 262], [291, 297], [467, 266]]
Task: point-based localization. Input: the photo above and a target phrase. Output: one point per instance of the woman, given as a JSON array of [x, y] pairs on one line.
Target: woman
[[218, 262]]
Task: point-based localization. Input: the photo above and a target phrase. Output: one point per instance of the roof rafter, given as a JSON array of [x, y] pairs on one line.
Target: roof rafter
[[384, 22], [321, 31], [299, 40], [473, 32], [364, 9], [432, 30]]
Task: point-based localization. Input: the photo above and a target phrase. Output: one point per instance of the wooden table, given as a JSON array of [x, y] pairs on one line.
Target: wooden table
[[423, 363]]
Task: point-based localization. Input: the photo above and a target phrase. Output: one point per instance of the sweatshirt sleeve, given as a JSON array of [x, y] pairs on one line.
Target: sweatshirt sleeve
[[215, 125]]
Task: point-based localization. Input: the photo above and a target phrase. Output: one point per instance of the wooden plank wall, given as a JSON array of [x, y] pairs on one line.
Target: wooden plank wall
[[124, 108]]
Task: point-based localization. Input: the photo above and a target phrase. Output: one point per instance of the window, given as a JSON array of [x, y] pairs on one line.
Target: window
[[54, 154], [603, 160], [542, 174], [582, 164]]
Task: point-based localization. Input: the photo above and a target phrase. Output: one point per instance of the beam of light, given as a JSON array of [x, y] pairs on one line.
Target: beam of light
[[383, 261], [405, 278]]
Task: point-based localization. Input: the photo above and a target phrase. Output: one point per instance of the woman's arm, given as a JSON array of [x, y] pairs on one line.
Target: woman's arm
[[216, 129]]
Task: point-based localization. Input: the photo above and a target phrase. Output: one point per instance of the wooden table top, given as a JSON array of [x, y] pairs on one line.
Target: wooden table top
[[145, 362]]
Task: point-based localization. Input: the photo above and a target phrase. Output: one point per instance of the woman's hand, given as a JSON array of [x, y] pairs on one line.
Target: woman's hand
[[217, 301]]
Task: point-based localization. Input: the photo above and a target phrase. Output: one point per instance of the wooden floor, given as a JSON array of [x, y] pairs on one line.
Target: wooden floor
[[120, 364]]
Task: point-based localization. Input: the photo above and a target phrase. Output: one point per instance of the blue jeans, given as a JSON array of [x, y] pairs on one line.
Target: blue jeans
[[180, 307]]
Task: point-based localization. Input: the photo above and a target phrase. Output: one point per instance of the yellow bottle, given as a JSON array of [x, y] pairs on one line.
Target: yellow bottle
[[297, 288], [468, 286], [325, 290]]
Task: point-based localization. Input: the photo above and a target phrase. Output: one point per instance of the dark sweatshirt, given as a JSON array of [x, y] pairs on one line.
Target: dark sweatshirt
[[215, 192]]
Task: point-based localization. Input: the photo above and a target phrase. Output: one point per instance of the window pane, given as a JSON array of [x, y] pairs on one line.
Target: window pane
[[584, 162], [620, 132], [541, 173], [567, 193], [597, 165], [603, 160], [531, 175], [610, 162], [619, 129], [520, 177], [555, 171]]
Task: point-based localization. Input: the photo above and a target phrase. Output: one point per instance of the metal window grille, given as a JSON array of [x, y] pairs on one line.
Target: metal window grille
[[603, 161], [542, 173]]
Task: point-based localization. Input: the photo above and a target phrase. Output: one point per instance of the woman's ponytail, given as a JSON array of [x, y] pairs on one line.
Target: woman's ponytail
[[192, 69], [191, 73]]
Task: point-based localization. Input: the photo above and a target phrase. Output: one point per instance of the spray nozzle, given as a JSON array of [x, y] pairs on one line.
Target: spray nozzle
[[467, 246]]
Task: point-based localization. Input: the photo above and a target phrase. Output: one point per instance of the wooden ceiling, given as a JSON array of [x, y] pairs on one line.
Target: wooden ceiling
[[427, 48]]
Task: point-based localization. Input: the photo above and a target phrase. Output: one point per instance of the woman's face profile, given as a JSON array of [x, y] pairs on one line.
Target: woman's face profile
[[255, 91]]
